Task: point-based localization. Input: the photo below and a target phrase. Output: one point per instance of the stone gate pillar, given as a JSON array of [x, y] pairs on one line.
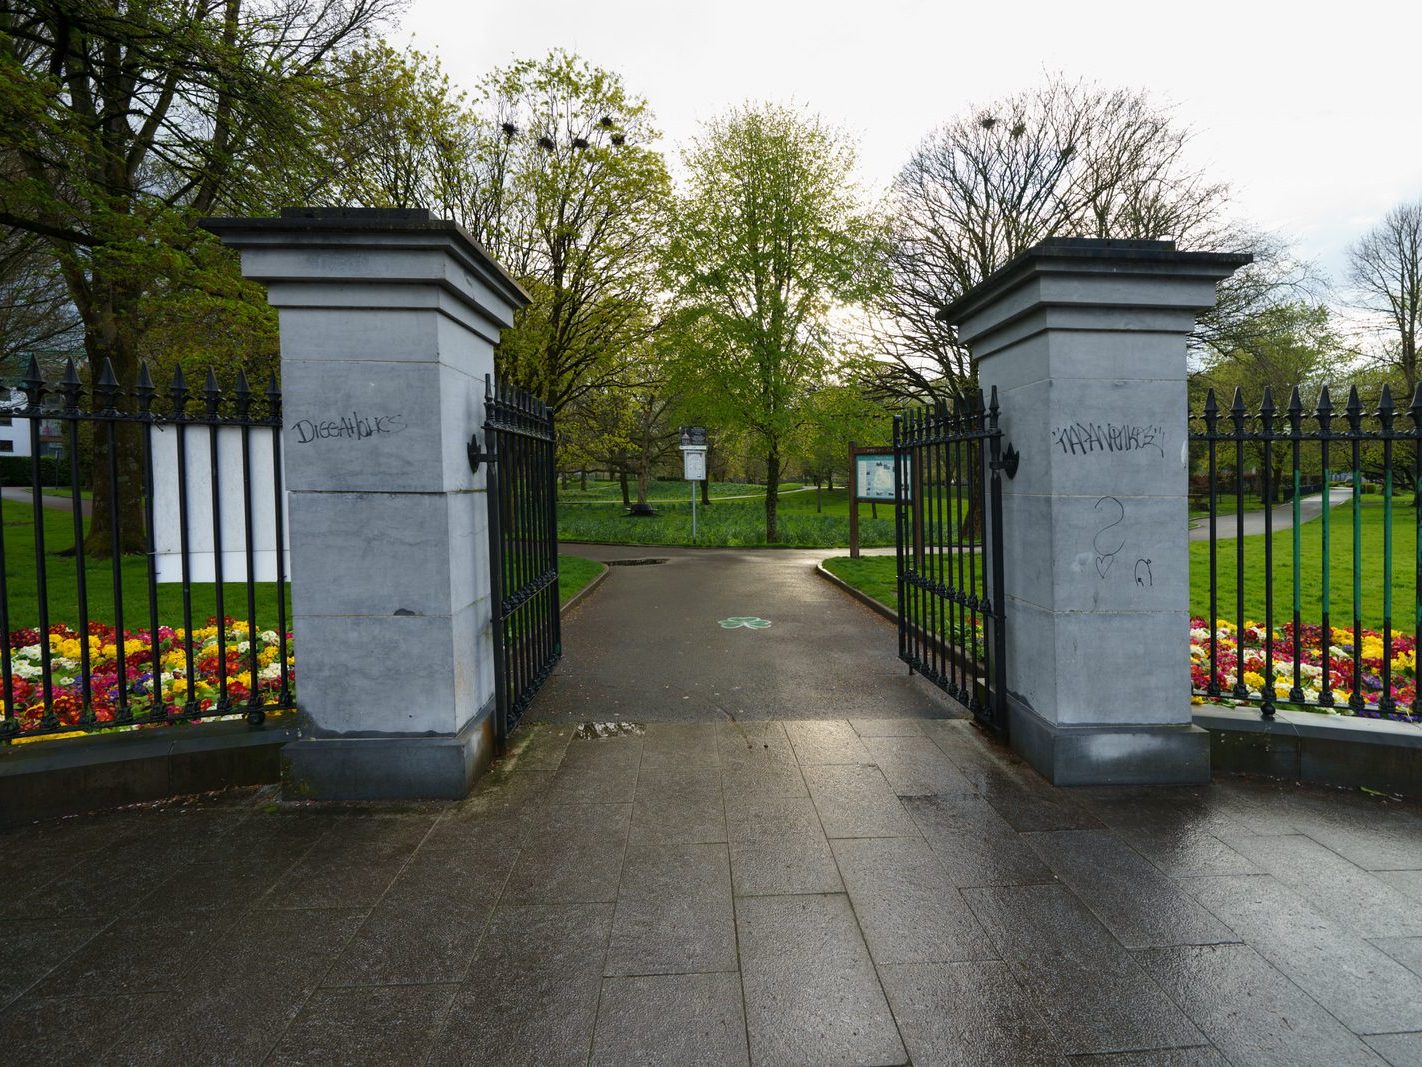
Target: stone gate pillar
[[388, 322], [1085, 342]]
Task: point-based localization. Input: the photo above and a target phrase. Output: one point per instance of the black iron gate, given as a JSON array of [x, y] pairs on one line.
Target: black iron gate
[[948, 465], [523, 546]]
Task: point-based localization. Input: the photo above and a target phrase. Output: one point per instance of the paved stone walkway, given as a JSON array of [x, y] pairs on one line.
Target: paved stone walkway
[[814, 892]]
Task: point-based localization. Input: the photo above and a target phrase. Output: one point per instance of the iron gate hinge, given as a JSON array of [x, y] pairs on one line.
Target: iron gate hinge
[[1009, 461], [476, 454]]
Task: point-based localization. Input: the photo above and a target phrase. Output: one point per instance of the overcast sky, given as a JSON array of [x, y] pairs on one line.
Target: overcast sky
[[1309, 111]]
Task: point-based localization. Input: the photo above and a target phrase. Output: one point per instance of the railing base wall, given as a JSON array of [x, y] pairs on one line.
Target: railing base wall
[[389, 768], [52, 779], [1108, 754], [1300, 746]]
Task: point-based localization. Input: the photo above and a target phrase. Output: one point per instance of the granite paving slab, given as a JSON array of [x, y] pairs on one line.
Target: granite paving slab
[[680, 1020], [1251, 1012], [1358, 982], [821, 891], [812, 994]]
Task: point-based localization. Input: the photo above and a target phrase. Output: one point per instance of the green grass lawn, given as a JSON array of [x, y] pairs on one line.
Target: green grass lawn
[[659, 489], [1311, 588], [875, 575], [63, 582], [574, 574], [730, 523]]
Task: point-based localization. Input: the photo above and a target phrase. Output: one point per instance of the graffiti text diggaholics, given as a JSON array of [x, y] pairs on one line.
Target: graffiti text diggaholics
[[1084, 438], [352, 427]]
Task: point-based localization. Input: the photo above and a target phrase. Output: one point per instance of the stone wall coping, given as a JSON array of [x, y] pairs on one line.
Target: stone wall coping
[[1085, 255], [340, 228]]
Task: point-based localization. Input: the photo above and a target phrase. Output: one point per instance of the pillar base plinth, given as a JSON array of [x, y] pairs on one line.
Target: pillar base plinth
[[389, 768], [1110, 754]]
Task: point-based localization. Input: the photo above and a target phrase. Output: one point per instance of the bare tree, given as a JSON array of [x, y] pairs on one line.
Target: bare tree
[[1067, 159], [1386, 272]]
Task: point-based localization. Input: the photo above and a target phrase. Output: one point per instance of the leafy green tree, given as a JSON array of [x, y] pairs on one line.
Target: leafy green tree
[[35, 313], [838, 415], [121, 122], [628, 429], [398, 134], [768, 239], [1293, 346], [568, 191]]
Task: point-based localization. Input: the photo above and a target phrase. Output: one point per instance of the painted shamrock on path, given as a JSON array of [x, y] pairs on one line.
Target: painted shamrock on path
[[750, 622]]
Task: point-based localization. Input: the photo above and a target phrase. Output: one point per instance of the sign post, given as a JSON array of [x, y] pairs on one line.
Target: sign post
[[871, 480], [693, 463]]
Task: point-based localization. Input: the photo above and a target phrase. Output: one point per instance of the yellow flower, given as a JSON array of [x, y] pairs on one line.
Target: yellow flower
[[1253, 680]]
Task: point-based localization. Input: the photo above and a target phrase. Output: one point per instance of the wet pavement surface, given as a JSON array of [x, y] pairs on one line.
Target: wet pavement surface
[[648, 645], [837, 891]]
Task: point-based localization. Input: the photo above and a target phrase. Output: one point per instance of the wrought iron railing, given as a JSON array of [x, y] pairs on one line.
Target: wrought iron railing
[[1280, 628], [172, 607]]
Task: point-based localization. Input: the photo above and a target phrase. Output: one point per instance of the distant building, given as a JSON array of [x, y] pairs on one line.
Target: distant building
[[15, 435]]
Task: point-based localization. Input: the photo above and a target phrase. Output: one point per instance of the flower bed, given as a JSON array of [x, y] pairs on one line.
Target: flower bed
[[156, 693], [1308, 649]]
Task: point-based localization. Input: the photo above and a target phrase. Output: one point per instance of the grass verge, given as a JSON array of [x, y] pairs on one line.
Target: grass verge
[[574, 575]]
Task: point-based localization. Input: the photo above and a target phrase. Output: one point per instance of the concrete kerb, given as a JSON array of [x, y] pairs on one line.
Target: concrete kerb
[[586, 591], [864, 598]]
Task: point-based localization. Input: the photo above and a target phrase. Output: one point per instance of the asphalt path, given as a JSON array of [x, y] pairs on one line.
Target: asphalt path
[[1310, 508], [21, 495], [648, 645]]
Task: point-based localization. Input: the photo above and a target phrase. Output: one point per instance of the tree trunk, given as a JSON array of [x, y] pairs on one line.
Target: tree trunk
[[772, 493], [819, 497], [622, 478], [830, 479], [117, 478], [642, 484], [583, 474]]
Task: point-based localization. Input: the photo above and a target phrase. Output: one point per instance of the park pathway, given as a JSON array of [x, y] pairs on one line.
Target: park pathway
[[1310, 508], [648, 645], [53, 502]]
